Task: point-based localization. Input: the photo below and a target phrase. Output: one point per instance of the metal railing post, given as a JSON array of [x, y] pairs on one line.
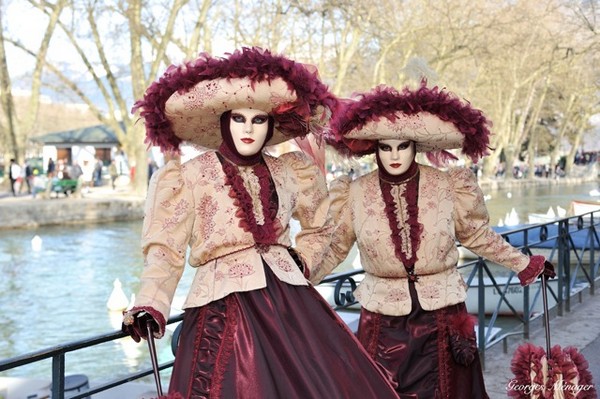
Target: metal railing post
[[481, 313], [593, 235], [564, 267], [58, 376]]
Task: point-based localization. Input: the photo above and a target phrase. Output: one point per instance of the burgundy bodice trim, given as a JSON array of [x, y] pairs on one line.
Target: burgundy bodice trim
[[267, 233], [410, 196]]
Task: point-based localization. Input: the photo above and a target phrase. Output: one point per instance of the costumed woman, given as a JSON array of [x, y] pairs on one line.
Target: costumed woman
[[253, 326], [405, 218]]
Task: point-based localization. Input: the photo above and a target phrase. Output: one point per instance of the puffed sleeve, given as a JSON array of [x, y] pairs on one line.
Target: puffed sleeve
[[166, 232], [310, 209], [343, 236], [472, 223]]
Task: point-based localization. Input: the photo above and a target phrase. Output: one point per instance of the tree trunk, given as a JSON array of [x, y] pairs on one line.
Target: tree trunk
[[7, 102]]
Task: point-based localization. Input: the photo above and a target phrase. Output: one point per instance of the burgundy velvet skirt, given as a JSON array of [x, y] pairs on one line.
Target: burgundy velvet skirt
[[282, 341], [415, 351]]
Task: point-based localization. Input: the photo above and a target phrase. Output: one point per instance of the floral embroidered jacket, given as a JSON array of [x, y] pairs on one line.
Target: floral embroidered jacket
[[190, 205], [450, 207]]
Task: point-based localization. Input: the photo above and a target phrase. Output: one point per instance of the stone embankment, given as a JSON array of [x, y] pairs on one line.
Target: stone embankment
[[495, 184], [99, 206]]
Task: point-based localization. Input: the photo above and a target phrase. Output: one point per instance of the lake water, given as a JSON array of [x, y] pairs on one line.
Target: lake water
[[538, 199], [58, 294]]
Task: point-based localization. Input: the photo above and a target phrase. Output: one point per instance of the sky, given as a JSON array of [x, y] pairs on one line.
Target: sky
[[26, 25]]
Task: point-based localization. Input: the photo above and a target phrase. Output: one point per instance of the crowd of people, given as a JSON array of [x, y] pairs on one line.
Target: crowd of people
[[31, 178]]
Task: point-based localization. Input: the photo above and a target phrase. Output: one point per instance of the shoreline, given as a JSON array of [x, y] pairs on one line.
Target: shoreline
[[498, 184], [102, 204]]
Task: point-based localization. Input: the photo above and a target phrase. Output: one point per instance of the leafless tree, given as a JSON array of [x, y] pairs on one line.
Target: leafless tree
[[19, 125], [515, 60]]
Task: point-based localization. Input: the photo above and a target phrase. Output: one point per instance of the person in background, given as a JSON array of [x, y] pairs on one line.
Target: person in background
[[62, 171], [253, 326], [14, 175], [152, 167], [98, 173], [50, 171], [114, 173], [405, 218], [75, 171], [29, 176]]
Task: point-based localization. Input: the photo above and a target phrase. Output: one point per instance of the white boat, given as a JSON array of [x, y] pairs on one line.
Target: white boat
[[511, 218], [579, 207], [514, 295], [537, 218]]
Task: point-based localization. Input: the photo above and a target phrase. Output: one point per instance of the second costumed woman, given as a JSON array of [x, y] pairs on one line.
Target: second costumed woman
[[405, 218]]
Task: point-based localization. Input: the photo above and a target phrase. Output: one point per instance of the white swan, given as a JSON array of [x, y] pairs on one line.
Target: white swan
[[36, 243], [117, 301]]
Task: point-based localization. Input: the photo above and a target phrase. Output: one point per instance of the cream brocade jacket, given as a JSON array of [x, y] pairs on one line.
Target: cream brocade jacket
[[451, 206], [190, 205]]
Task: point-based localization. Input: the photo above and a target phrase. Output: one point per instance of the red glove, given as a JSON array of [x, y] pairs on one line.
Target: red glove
[[135, 323], [538, 266]]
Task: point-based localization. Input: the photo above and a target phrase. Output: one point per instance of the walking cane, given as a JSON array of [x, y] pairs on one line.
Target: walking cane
[[546, 315], [153, 357]]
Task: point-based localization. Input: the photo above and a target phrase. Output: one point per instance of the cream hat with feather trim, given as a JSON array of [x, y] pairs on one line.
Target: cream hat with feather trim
[[186, 103], [434, 119], [195, 114]]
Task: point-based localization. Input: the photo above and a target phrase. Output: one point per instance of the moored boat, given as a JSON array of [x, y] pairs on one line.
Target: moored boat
[[513, 294], [579, 207]]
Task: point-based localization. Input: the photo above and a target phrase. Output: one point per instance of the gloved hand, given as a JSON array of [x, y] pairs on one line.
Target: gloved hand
[[538, 267], [548, 271], [135, 324]]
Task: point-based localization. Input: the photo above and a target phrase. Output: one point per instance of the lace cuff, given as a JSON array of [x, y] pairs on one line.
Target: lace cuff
[[533, 270]]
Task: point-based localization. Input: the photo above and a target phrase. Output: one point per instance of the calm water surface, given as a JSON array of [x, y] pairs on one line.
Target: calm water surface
[[526, 200], [59, 294]]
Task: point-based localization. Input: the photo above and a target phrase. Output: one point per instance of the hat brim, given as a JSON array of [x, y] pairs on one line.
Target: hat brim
[[434, 119], [246, 78], [195, 114], [428, 131]]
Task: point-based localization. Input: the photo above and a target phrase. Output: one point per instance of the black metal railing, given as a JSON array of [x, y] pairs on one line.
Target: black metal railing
[[58, 356], [565, 242], [569, 243]]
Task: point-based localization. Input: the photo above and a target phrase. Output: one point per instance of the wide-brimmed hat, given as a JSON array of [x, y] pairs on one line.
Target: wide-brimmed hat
[[186, 103], [436, 120]]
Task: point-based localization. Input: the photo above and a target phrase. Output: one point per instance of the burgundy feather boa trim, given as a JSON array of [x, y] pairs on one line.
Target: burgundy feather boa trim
[[266, 234], [463, 343], [410, 196], [254, 63], [385, 102]]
